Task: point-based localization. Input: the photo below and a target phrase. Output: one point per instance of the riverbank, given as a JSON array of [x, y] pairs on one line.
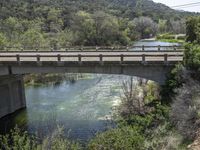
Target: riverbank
[[171, 38], [172, 41], [53, 79], [141, 123]]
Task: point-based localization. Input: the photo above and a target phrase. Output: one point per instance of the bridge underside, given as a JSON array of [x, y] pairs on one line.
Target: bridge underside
[[12, 95], [151, 71]]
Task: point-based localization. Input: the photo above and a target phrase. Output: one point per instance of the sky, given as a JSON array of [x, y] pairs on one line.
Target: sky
[[181, 2]]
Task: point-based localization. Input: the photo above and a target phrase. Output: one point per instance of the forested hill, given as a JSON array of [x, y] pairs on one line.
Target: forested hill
[[121, 8], [58, 23]]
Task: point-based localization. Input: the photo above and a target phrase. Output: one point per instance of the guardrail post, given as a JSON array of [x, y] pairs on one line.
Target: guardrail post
[[158, 47], [18, 58], [79, 59], [121, 58], [101, 59], [60, 63], [175, 47], [143, 59], [127, 48], [38, 58], [142, 47], [96, 48], [166, 58], [59, 57]]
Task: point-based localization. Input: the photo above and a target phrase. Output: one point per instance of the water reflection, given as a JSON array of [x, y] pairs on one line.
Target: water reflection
[[80, 107]]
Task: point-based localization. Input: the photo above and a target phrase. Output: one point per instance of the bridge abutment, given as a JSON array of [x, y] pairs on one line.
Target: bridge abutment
[[12, 94]]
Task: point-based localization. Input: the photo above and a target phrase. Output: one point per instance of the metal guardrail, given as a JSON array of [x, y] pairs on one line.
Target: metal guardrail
[[79, 57], [92, 48]]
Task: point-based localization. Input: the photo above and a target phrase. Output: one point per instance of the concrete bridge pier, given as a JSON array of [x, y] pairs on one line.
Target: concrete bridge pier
[[12, 94]]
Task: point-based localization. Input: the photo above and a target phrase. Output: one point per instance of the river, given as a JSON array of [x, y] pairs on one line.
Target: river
[[82, 108]]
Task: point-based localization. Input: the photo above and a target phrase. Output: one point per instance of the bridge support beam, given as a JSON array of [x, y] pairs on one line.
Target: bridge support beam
[[12, 94]]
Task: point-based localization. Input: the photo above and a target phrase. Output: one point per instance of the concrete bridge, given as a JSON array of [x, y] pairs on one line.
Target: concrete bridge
[[152, 63]]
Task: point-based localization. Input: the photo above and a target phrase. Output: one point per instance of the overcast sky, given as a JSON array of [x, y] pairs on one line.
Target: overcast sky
[[181, 2]]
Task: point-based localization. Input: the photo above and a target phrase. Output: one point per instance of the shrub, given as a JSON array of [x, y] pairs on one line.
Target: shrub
[[181, 37], [192, 56], [163, 138], [18, 140], [56, 141], [167, 36], [126, 138], [3, 41], [174, 80], [185, 109]]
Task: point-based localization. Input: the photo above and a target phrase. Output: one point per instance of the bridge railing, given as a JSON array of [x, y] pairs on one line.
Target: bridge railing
[[92, 48], [121, 58]]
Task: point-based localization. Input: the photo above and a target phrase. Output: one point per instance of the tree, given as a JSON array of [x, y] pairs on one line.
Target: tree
[[12, 29], [54, 20], [3, 40], [162, 26], [145, 26], [32, 38], [191, 28], [67, 38], [178, 26], [84, 25]]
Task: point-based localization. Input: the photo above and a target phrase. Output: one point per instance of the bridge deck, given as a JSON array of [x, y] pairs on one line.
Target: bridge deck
[[91, 56]]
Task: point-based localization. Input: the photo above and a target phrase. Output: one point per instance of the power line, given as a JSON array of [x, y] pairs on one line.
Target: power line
[[188, 4]]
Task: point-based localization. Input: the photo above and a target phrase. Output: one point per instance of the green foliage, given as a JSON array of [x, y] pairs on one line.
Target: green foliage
[[192, 56], [32, 38], [17, 140], [58, 142], [164, 137], [193, 29], [181, 37], [54, 21], [167, 36], [106, 22], [174, 80], [172, 38], [127, 138], [145, 27], [3, 41]]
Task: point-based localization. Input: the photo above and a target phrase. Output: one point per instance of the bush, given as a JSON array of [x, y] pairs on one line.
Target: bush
[[174, 80], [3, 41], [192, 56], [164, 138], [185, 109], [193, 29], [58, 142], [126, 138], [17, 140], [167, 36], [181, 37]]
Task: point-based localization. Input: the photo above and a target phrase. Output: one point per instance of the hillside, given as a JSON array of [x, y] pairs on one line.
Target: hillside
[[87, 22], [123, 8]]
